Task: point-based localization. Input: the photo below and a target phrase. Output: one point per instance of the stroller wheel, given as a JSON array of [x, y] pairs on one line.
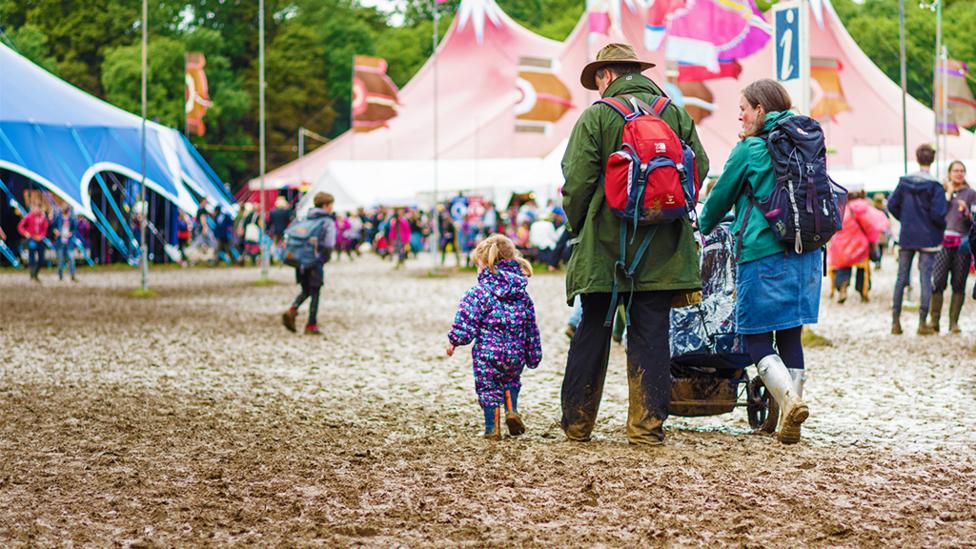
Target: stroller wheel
[[761, 407]]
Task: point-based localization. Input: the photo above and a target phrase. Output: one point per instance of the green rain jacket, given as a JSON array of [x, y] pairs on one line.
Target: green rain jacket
[[748, 161], [671, 260]]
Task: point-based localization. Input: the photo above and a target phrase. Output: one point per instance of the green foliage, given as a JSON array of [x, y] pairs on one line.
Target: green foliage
[[32, 43], [874, 26], [94, 44], [121, 79], [299, 94]]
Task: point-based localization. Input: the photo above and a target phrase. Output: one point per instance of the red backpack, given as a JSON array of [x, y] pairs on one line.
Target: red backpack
[[652, 179]]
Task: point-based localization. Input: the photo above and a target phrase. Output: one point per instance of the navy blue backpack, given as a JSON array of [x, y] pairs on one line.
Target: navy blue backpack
[[806, 206]]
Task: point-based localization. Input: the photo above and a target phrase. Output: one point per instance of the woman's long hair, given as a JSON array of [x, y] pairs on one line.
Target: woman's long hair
[[497, 248], [771, 96]]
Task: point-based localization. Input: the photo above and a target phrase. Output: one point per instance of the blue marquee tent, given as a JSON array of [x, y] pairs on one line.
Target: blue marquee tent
[[64, 140]]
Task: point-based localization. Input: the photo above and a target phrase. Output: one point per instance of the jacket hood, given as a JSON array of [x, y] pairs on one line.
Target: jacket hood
[[507, 282], [859, 205], [632, 83], [773, 118], [316, 213], [917, 183]]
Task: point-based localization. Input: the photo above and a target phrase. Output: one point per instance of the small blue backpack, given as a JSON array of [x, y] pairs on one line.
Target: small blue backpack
[[301, 239]]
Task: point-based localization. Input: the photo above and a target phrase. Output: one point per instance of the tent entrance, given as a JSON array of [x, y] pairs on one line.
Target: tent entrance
[[118, 214]]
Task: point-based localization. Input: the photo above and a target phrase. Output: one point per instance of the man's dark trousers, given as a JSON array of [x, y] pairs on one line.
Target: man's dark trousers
[[648, 367]]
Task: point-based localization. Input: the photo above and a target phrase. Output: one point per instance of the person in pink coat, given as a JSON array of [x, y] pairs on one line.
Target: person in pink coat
[[399, 236], [852, 245], [342, 243]]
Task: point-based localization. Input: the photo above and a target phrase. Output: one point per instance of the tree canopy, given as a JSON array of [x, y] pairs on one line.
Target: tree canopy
[[94, 44]]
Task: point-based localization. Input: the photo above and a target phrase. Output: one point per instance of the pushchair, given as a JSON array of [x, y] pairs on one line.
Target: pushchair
[[708, 358]]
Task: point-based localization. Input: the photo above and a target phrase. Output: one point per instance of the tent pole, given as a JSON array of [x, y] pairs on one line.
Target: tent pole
[[904, 86], [261, 137], [144, 261], [435, 218], [301, 155], [939, 114]]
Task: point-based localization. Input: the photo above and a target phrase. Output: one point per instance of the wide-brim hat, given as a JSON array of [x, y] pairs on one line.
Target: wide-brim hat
[[611, 54]]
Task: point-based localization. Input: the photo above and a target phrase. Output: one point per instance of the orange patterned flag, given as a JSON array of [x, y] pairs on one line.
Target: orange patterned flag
[[828, 96], [960, 106], [197, 95], [544, 98], [374, 95]]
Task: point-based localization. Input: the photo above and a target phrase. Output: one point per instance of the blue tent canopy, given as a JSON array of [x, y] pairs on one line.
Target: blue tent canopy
[[63, 139]]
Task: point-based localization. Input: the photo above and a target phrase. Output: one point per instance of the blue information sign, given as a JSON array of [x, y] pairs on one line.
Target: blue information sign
[[788, 44]]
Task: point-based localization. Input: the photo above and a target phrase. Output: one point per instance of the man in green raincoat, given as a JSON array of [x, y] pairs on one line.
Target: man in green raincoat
[[666, 276]]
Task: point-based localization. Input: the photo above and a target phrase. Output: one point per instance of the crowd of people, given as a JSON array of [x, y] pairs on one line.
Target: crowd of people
[[56, 229], [399, 233]]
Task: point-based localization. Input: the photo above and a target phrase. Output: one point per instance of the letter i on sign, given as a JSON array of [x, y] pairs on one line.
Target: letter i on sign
[[786, 45]]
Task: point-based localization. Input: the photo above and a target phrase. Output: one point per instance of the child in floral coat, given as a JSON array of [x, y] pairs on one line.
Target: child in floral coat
[[498, 315]]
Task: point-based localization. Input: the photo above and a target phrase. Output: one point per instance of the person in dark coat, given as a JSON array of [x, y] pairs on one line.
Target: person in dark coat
[[279, 218], [666, 275], [224, 232], [919, 203]]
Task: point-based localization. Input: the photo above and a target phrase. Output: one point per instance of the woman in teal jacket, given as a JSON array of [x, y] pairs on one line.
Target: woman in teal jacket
[[777, 291]]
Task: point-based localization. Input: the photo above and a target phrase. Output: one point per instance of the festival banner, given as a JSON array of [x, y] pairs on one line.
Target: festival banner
[[703, 32], [960, 107], [598, 17], [197, 94], [828, 98], [697, 73], [544, 98], [374, 95]]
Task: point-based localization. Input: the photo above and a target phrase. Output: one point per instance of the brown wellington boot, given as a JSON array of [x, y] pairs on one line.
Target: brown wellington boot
[[288, 319], [923, 328], [512, 418], [643, 427], [935, 312], [955, 309], [896, 324], [496, 432]]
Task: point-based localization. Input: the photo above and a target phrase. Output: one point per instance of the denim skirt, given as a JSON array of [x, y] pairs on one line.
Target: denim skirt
[[778, 292]]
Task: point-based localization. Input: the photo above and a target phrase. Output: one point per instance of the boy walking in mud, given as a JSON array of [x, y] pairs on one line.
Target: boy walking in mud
[[498, 316], [308, 247]]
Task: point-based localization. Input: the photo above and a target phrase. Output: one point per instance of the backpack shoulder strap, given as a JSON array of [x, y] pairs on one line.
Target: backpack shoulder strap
[[620, 107], [657, 105]]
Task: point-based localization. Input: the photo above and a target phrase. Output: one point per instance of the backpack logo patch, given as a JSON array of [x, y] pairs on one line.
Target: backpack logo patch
[[660, 148]]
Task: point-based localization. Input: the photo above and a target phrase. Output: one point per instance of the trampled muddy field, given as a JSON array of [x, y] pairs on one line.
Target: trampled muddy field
[[194, 418]]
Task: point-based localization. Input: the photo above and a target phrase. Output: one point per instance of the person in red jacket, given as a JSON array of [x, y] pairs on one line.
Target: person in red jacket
[[33, 227], [851, 246]]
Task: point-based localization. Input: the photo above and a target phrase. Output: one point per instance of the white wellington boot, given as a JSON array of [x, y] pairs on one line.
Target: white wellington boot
[[792, 411]]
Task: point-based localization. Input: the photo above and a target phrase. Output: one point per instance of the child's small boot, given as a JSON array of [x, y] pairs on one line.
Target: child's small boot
[[312, 330], [493, 422], [288, 318], [512, 418]]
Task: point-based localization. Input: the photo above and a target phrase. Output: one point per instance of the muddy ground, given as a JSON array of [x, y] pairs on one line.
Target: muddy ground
[[193, 418]]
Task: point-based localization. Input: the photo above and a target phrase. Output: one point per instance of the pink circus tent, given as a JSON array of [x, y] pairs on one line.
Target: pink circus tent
[[478, 63]]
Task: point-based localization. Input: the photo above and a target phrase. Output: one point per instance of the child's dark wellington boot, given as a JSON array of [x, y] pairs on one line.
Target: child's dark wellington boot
[[512, 418], [493, 420]]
